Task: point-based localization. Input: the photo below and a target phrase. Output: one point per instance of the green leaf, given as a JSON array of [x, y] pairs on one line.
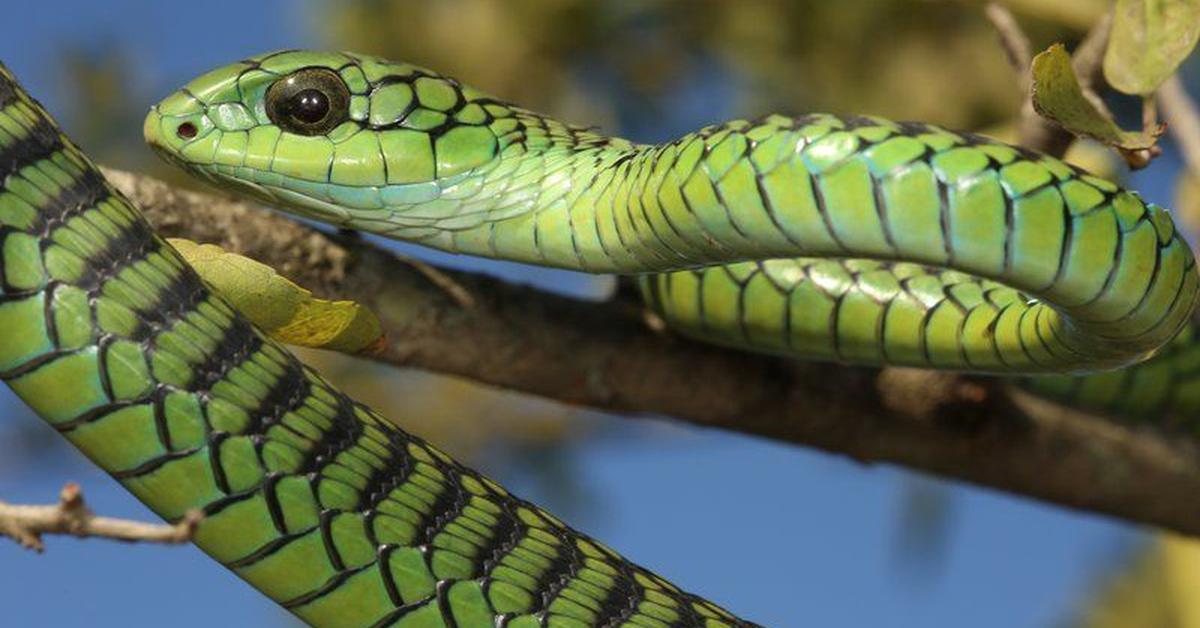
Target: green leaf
[[1058, 96], [1148, 41], [279, 307]]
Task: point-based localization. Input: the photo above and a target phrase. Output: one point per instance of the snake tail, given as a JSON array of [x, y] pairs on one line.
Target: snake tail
[[309, 496]]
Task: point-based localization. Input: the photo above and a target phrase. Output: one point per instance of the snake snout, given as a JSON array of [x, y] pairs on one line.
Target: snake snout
[[172, 136]]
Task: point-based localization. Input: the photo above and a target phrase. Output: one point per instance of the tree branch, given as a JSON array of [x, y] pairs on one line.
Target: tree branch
[[603, 355], [27, 524]]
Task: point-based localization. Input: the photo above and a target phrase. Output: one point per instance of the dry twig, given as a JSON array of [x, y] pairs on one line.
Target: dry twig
[[1013, 39], [27, 524]]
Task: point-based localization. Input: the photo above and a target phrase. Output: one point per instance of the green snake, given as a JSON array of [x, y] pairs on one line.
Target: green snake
[[854, 239], [309, 496], [847, 238]]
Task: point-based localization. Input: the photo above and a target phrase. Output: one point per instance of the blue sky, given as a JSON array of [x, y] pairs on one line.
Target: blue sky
[[779, 534]]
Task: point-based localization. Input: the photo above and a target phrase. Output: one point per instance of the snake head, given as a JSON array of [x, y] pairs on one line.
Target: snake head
[[338, 137]]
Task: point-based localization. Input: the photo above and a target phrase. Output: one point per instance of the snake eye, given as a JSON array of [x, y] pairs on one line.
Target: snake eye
[[310, 106], [309, 102]]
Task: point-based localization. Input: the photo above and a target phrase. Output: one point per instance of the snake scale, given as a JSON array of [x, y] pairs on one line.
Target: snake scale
[[847, 238]]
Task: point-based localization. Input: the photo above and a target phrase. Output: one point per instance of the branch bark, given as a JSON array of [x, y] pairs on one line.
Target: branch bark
[[27, 524], [603, 355]]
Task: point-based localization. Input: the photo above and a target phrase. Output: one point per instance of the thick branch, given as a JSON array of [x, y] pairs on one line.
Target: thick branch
[[27, 524], [603, 355]]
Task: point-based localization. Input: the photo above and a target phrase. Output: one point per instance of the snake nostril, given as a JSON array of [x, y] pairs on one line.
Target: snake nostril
[[186, 131]]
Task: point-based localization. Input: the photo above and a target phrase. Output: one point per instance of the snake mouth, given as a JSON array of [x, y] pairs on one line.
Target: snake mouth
[[170, 156], [172, 131], [152, 127], [164, 145]]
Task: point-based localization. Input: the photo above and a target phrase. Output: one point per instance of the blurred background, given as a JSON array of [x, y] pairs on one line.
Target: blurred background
[[778, 534]]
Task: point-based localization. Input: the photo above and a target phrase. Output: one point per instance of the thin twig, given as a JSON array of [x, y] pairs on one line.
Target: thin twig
[[1013, 39], [71, 516], [1088, 63], [1149, 113], [443, 281], [1183, 120]]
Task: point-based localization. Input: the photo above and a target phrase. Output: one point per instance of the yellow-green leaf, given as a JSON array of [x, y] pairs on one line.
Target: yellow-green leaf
[[1157, 588], [1148, 41], [1058, 96], [1187, 201], [279, 307]]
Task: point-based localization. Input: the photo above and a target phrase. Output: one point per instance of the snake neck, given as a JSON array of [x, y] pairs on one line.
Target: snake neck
[[513, 206], [565, 196], [518, 205]]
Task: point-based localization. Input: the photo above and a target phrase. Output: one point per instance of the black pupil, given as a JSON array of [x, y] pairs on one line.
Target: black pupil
[[310, 105]]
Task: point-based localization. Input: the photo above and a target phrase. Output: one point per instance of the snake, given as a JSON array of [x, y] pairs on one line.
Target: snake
[[314, 499], [853, 239], [845, 238]]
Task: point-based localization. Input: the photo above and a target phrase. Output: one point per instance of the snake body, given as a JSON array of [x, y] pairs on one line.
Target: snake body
[[854, 239], [314, 499]]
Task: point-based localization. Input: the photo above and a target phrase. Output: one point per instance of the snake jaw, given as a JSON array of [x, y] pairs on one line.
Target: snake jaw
[[153, 133], [161, 138]]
